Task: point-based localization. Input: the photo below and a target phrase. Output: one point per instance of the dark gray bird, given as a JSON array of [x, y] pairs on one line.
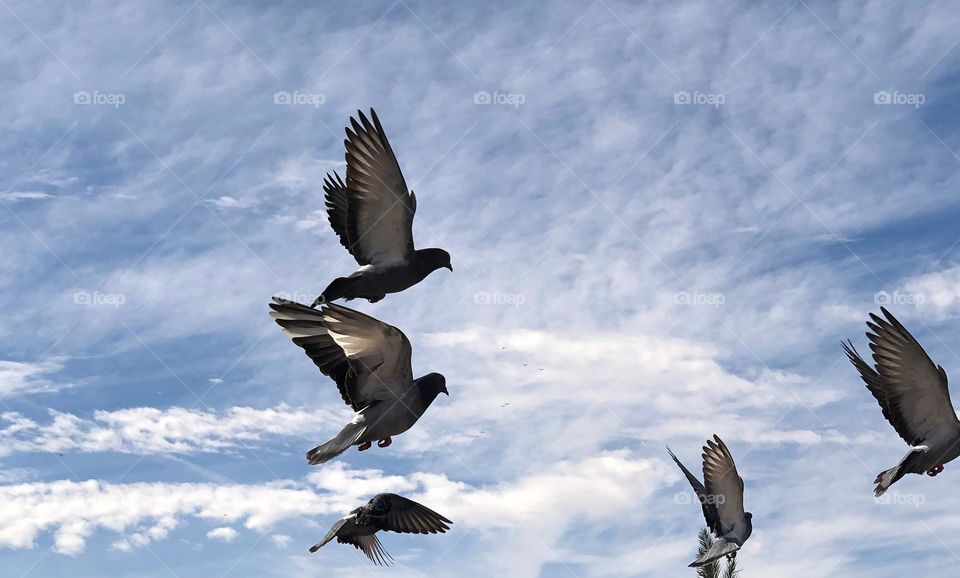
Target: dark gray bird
[[370, 362], [388, 512], [913, 395], [721, 497], [373, 216]]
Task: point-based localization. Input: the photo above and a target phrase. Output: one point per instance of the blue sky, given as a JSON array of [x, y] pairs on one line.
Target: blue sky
[[662, 225]]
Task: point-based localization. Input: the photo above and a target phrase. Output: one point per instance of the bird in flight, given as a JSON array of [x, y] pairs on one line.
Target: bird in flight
[[914, 397], [721, 497], [372, 214], [370, 362], [387, 512]]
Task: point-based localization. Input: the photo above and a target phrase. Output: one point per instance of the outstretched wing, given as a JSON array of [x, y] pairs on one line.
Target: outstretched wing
[[368, 359], [381, 208], [708, 505], [398, 514], [723, 484], [337, 202], [371, 547], [914, 387], [378, 352], [305, 326]]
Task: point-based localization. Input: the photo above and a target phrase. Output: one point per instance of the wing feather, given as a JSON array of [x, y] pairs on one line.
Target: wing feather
[[381, 208]]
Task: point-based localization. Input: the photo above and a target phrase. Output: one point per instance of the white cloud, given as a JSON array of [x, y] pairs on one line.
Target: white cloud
[[18, 377], [223, 533], [148, 430], [27, 195]]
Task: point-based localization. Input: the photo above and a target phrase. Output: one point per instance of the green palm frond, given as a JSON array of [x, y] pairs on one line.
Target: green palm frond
[[712, 570]]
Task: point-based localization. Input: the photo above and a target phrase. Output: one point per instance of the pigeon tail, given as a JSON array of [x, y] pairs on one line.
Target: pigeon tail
[[720, 548], [339, 288], [887, 478], [347, 437]]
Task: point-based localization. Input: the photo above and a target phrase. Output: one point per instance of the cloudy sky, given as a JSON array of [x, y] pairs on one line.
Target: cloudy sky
[[663, 219]]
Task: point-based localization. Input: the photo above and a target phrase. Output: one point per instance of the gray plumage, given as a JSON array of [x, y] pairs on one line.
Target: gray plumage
[[387, 512], [372, 214], [914, 397], [370, 363], [721, 498]]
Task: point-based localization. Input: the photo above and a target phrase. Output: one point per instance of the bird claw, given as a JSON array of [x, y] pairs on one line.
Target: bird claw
[[384, 442], [732, 555], [935, 470], [364, 446]]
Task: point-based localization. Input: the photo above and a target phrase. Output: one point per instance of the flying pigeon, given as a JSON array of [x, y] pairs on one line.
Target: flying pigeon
[[721, 497], [370, 362], [388, 512], [913, 395], [372, 213]]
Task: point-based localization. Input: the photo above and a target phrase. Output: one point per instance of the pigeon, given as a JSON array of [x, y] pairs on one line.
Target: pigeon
[[913, 396], [372, 214], [721, 497], [370, 363], [388, 512]]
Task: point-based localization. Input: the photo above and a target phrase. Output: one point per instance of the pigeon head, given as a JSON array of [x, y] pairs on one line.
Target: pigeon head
[[432, 259], [432, 385]]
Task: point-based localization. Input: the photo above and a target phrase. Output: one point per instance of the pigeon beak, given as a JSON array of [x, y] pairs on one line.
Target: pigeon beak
[[444, 390], [450, 267]]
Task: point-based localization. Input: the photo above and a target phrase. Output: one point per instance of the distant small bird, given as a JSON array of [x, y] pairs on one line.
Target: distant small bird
[[370, 362], [913, 395], [721, 497], [388, 512], [372, 213]]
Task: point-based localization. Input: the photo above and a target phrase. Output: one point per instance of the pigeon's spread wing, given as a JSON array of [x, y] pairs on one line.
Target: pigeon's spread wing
[[381, 208], [370, 546], [708, 505], [398, 514], [723, 484], [379, 350], [337, 203], [914, 387], [306, 327]]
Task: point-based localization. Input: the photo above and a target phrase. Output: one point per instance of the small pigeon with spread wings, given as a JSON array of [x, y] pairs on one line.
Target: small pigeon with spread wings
[[388, 512], [721, 497], [372, 213], [913, 396], [370, 362]]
